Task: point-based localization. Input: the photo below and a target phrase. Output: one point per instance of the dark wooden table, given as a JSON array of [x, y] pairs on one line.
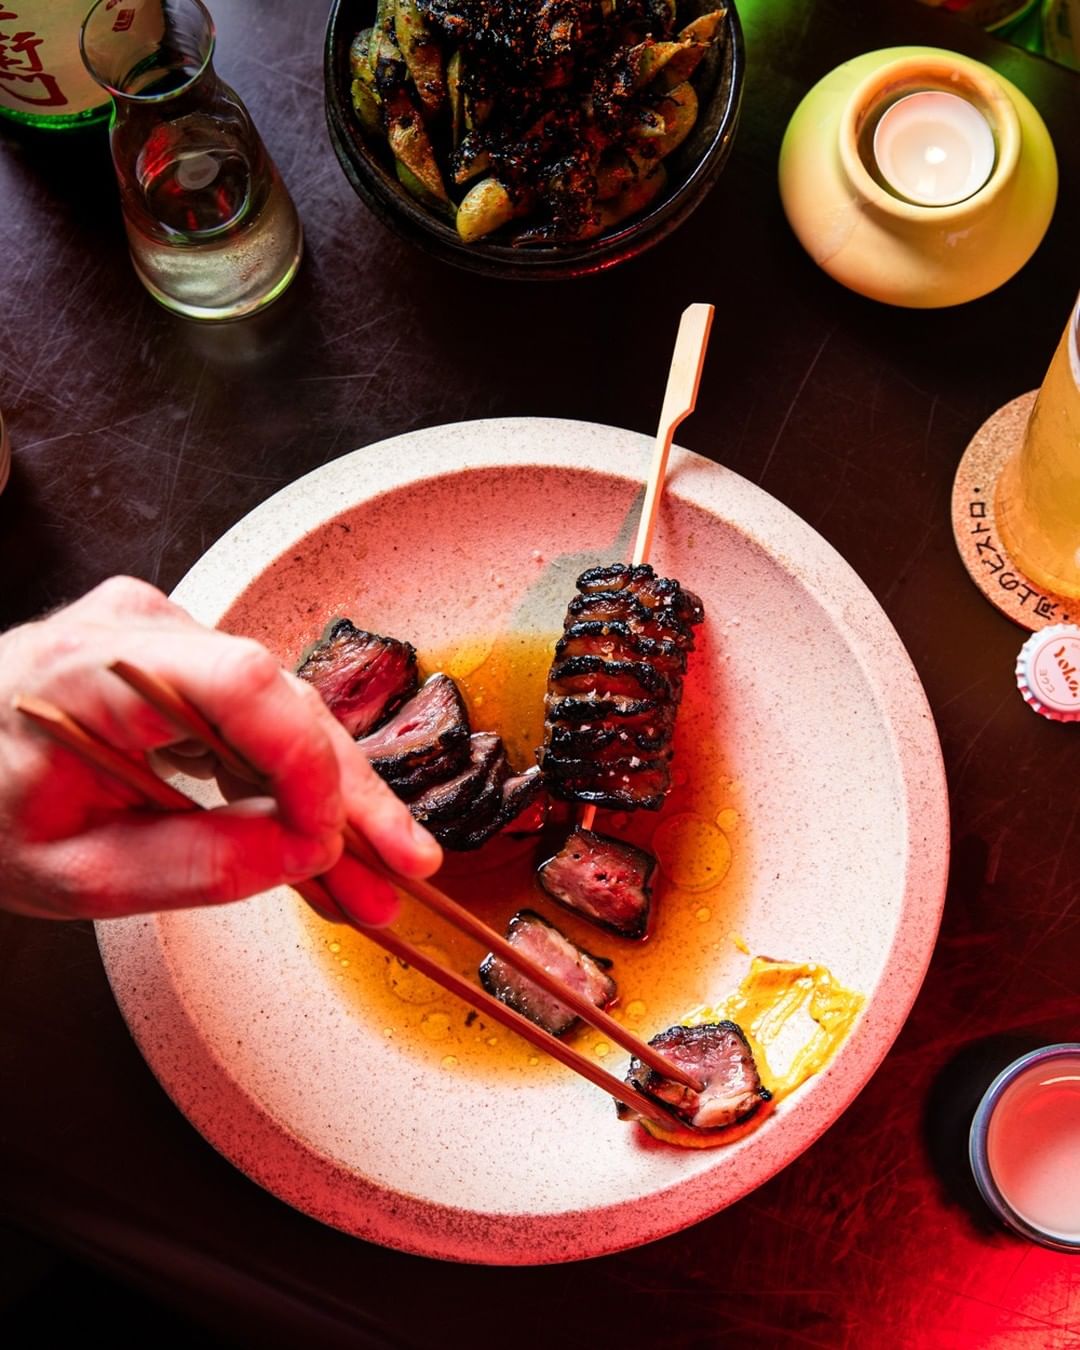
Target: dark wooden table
[[140, 438]]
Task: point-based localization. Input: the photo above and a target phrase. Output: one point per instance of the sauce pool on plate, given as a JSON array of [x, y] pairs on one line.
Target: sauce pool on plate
[[795, 1015]]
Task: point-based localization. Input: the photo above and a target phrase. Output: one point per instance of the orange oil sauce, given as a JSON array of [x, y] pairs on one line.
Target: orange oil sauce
[[696, 902]]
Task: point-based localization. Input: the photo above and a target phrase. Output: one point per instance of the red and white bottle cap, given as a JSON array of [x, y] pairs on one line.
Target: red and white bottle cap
[[1048, 672]]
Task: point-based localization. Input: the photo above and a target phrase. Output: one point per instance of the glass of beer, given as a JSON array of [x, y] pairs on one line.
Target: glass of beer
[[1038, 494], [212, 230]]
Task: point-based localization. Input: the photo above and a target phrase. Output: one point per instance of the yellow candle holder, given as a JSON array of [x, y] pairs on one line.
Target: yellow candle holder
[[896, 251]]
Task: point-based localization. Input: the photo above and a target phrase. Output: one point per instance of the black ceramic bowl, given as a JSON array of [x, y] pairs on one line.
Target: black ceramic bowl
[[692, 168]]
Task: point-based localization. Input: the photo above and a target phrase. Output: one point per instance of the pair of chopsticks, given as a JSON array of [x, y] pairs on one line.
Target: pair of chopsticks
[[190, 722]]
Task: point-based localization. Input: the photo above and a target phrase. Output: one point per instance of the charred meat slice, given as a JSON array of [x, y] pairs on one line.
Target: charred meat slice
[[618, 784], [481, 818], [562, 958], [362, 677], [506, 797], [602, 879], [717, 1054], [605, 607], [449, 800], [661, 593], [675, 622], [642, 582], [605, 744], [580, 711], [616, 577], [425, 741], [520, 792], [610, 739], [617, 641], [591, 675]]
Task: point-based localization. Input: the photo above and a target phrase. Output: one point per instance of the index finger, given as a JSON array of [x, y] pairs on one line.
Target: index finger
[[242, 691]]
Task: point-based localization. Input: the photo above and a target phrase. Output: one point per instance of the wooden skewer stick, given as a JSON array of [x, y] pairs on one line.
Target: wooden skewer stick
[[680, 397], [684, 378], [69, 732], [189, 720]]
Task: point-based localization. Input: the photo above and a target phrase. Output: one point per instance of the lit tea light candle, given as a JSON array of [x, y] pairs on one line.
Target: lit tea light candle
[[934, 148]]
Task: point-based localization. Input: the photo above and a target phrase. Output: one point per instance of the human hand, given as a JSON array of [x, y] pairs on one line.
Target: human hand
[[76, 843]]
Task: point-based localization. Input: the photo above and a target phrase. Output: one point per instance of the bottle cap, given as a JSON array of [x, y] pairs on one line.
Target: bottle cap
[[1048, 672]]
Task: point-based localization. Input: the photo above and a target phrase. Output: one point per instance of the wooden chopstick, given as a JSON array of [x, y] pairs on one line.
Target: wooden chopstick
[[135, 774], [543, 1040], [188, 719]]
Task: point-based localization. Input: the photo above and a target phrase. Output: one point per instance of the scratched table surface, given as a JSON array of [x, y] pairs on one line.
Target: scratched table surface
[[140, 438]]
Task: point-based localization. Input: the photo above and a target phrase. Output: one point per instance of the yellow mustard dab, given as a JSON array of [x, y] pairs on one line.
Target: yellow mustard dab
[[771, 994], [764, 1006]]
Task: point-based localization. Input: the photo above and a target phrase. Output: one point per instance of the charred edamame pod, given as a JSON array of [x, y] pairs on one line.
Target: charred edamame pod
[[365, 98], [422, 55], [664, 127], [410, 143]]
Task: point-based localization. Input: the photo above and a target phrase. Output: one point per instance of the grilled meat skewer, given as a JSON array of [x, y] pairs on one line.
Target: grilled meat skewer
[[615, 686]]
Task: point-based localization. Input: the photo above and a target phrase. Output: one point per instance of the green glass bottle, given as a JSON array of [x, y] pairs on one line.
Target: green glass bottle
[[43, 82]]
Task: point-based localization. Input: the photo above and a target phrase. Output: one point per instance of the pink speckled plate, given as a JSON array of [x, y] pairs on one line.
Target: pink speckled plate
[[841, 859]]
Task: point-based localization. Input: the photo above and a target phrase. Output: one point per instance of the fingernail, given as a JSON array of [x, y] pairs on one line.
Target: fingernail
[[425, 841]]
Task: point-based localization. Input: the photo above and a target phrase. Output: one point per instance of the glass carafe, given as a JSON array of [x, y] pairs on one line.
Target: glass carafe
[[212, 230]]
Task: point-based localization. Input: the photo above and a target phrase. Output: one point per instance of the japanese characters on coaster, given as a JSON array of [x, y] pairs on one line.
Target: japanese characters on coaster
[[996, 561]]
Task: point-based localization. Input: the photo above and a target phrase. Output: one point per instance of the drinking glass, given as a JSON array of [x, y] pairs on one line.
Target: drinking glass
[[1038, 494], [212, 230]]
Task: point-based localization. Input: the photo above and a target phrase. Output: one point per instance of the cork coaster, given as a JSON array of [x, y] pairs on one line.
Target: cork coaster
[[987, 560]]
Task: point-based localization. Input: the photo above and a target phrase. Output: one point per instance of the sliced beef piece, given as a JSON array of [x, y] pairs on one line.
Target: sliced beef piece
[[606, 607], [362, 677], [640, 580], [425, 742], [481, 819], [623, 607], [661, 593], [616, 577], [665, 625], [620, 784], [520, 792], [717, 1054], [562, 958], [449, 800], [617, 641], [602, 879], [608, 740], [592, 711], [591, 675]]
